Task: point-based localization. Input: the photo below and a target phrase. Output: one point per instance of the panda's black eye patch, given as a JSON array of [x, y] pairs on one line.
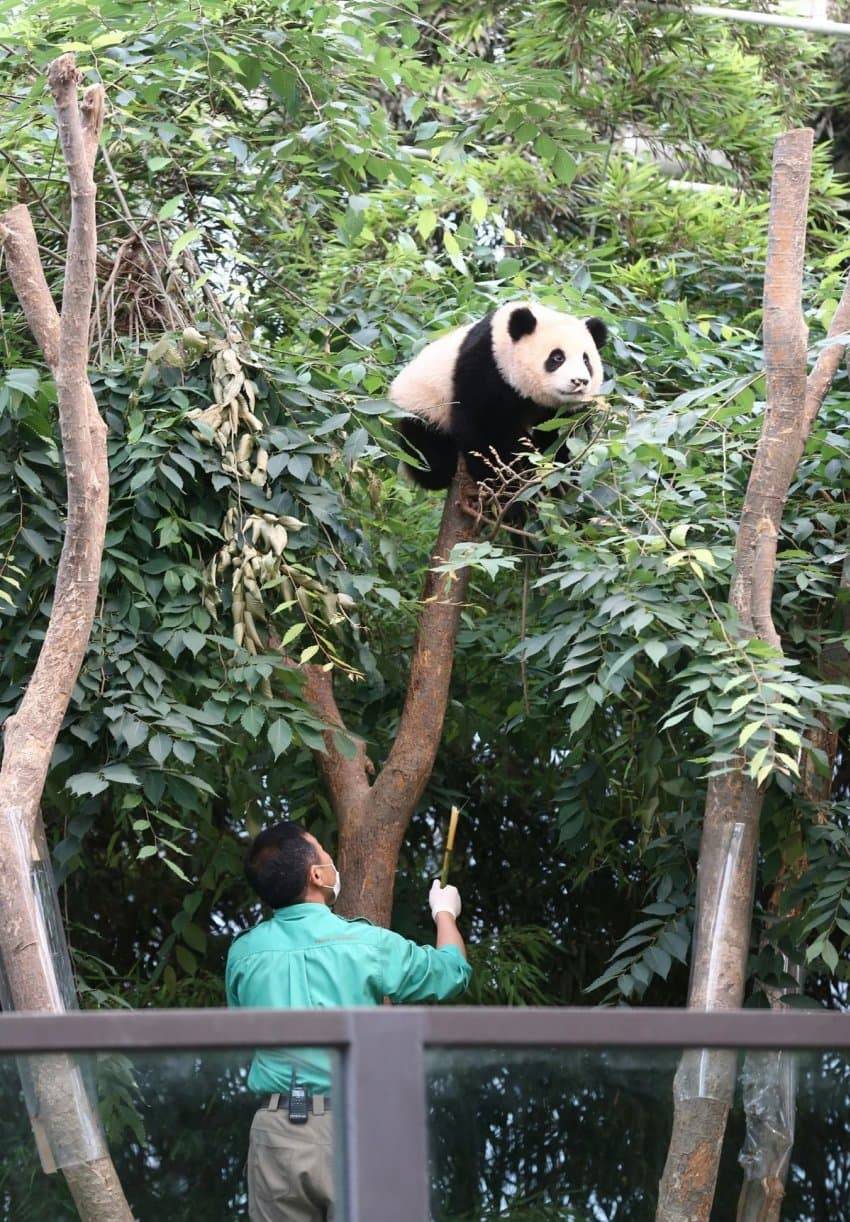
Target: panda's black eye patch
[[587, 364], [553, 360]]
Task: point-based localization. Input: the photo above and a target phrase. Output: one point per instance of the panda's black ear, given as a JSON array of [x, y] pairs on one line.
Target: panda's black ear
[[521, 322], [597, 329]]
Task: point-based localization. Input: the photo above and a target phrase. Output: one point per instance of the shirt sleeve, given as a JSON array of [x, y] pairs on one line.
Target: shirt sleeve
[[412, 973], [229, 982]]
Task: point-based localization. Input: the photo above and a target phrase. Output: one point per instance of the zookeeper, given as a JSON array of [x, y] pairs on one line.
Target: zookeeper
[[305, 956]]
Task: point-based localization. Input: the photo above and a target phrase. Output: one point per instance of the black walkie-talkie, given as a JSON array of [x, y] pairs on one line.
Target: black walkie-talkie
[[297, 1102]]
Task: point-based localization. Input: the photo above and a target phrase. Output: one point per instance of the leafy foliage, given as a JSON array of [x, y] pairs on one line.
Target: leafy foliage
[[342, 182]]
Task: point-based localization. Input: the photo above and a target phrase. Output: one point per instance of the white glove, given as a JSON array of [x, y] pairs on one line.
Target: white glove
[[444, 899]]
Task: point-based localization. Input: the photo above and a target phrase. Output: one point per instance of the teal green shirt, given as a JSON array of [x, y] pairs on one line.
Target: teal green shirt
[[305, 957]]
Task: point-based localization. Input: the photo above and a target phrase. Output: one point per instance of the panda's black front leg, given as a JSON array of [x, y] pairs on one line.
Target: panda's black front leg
[[436, 448]]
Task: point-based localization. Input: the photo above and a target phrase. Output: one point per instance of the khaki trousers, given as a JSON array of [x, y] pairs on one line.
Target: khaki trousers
[[290, 1168]]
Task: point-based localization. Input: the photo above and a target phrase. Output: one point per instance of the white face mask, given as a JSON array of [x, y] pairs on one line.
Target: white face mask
[[336, 883]]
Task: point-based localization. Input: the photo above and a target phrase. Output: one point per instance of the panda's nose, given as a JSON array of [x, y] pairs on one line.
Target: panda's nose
[[580, 381]]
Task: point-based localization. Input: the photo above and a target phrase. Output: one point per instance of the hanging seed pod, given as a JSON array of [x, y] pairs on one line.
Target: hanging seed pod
[[239, 633], [270, 569], [346, 602], [230, 361], [251, 630], [246, 445], [231, 388], [193, 339], [254, 607], [251, 420], [266, 688], [260, 473], [234, 418], [290, 523], [278, 539]]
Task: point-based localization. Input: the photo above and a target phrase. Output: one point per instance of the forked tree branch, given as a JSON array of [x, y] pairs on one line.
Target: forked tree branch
[[28, 280], [68, 1130], [729, 846], [373, 817]]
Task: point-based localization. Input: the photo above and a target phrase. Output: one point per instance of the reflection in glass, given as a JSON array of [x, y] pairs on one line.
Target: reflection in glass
[[177, 1125], [572, 1135]]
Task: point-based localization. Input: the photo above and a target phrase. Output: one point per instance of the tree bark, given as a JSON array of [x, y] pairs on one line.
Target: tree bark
[[373, 815], [770, 1078], [66, 1124], [705, 1080]]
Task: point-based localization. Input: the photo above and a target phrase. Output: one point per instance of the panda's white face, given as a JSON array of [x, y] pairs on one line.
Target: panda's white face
[[548, 357]]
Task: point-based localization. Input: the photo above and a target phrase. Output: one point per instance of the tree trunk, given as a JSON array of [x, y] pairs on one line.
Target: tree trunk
[[65, 1122], [770, 1078], [373, 816], [705, 1079]]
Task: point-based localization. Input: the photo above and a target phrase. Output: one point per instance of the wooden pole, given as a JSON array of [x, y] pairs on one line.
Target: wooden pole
[[450, 846]]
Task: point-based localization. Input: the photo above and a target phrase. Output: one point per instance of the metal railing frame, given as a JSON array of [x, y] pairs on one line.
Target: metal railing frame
[[383, 1061]]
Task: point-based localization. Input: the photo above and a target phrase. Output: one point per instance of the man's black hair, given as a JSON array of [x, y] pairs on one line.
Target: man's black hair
[[278, 863]]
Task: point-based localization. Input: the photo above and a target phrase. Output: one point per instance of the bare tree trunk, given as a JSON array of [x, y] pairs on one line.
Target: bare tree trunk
[[67, 1126], [770, 1078], [373, 816], [705, 1080]]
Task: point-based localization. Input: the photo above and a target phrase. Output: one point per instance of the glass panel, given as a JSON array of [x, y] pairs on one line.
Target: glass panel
[[575, 1135], [177, 1125]]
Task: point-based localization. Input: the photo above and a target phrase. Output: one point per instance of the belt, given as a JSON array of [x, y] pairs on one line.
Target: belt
[[317, 1104]]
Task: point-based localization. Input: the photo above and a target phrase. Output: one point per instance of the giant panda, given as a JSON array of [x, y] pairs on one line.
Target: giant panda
[[481, 390]]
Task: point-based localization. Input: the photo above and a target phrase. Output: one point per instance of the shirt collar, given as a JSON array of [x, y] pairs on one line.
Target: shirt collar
[[295, 912]]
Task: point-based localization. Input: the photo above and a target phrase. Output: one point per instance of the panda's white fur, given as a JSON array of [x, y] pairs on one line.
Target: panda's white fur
[[426, 386], [522, 364], [481, 389]]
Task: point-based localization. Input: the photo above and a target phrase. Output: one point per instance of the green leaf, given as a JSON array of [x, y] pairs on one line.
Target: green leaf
[[704, 720], [253, 719], [658, 960], [83, 783], [581, 714], [146, 850], [110, 39], [195, 937], [280, 736], [565, 166], [478, 208], [185, 239], [158, 163], [186, 959], [120, 774], [184, 751], [175, 869], [160, 747], [748, 731], [170, 207], [655, 650], [426, 223], [292, 633], [194, 641]]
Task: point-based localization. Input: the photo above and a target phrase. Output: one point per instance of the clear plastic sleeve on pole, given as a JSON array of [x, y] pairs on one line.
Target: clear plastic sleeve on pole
[[59, 1091], [706, 1073]]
